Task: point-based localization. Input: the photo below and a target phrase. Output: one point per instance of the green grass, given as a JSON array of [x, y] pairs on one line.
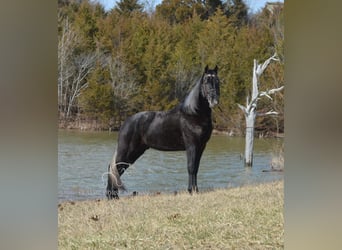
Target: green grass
[[249, 217]]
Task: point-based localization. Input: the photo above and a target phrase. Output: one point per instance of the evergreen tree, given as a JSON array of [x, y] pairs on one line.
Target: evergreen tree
[[237, 12], [185, 64], [127, 7], [86, 24], [211, 7], [97, 100], [179, 11]]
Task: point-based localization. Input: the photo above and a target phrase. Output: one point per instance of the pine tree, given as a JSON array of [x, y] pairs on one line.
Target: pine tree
[[237, 12], [127, 7]]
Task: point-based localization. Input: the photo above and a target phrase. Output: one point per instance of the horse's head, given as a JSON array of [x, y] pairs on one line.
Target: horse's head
[[211, 86]]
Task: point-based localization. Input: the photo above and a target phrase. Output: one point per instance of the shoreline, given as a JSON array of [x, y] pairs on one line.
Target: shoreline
[[135, 194], [90, 127]]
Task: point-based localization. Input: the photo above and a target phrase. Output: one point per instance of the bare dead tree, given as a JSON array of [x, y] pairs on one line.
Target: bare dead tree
[[82, 65], [72, 69], [66, 44], [123, 82], [122, 79], [250, 110]]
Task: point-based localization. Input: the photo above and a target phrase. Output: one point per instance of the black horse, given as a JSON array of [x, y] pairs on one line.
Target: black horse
[[187, 127]]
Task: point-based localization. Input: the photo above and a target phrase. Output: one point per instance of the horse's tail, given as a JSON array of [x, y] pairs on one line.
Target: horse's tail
[[114, 176]]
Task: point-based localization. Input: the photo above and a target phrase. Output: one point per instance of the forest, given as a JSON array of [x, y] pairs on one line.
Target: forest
[[112, 64]]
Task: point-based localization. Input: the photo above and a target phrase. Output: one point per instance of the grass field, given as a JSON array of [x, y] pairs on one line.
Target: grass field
[[249, 217]]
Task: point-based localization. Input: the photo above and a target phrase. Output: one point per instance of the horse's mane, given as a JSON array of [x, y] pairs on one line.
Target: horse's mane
[[190, 103]]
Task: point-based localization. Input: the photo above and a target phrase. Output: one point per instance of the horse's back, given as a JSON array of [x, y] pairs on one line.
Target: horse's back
[[135, 125], [164, 132], [156, 129]]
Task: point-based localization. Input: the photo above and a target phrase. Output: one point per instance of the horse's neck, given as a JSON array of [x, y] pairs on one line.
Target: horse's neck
[[203, 106], [195, 103]]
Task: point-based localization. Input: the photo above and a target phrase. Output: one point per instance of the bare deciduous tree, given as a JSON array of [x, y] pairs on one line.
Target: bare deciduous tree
[[72, 69], [82, 65], [123, 83], [66, 43], [250, 110]]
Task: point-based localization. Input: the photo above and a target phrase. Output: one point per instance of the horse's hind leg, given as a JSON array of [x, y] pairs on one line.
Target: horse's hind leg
[[125, 157], [115, 171], [112, 192], [130, 155]]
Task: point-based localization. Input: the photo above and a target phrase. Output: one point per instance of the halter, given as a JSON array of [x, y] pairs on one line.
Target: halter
[[205, 90]]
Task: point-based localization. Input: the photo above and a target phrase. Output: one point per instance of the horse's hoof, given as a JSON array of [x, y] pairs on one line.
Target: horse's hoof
[[112, 195]]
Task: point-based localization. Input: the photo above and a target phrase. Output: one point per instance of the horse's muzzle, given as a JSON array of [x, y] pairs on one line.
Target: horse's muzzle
[[212, 103]]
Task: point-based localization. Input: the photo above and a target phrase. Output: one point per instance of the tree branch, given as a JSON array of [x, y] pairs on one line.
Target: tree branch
[[272, 91], [268, 113], [261, 67], [265, 93], [243, 108]]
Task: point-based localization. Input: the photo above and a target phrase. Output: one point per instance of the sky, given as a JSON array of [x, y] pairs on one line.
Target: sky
[[254, 5]]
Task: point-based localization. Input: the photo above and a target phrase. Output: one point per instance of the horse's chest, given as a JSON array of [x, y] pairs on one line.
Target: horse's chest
[[200, 128]]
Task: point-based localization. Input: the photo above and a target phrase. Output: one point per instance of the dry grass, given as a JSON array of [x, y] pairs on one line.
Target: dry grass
[[249, 217]]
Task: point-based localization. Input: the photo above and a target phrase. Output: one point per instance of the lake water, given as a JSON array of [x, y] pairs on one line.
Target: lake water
[[83, 158]]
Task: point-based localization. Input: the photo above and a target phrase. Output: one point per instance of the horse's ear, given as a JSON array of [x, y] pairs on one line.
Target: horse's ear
[[216, 69], [206, 69]]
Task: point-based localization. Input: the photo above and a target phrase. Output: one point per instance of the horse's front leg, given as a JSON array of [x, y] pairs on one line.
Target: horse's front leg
[[192, 186], [193, 159]]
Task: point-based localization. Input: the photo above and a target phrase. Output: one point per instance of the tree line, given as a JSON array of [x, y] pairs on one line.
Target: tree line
[[132, 58]]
